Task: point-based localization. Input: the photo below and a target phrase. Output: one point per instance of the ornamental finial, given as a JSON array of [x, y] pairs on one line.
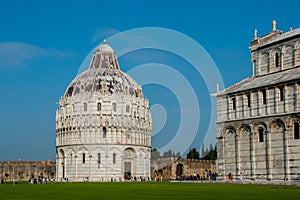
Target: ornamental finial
[[274, 25]]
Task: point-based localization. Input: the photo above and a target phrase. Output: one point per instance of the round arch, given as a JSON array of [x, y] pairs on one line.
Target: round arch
[[229, 131], [244, 130], [277, 124], [258, 125]]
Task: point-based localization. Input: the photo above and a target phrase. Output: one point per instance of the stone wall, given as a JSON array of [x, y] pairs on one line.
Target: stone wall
[[188, 167], [24, 170]]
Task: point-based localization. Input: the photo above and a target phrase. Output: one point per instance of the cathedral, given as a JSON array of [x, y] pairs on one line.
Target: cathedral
[[103, 124], [258, 132]]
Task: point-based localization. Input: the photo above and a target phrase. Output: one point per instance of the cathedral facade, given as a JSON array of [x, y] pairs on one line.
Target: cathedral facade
[[258, 118], [103, 124]]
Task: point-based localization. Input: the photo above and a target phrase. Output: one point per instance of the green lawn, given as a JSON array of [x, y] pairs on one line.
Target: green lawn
[[144, 190]]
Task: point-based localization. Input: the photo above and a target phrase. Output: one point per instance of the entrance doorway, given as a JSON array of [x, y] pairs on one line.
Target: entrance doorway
[[127, 170], [179, 170]]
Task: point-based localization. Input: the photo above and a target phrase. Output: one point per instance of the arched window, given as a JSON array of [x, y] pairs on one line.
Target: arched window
[[114, 158], [71, 159], [99, 158], [104, 132], [296, 130], [99, 106], [264, 97], [276, 59], [127, 108], [114, 106], [248, 100], [83, 158], [84, 107], [261, 135], [281, 93], [233, 103]]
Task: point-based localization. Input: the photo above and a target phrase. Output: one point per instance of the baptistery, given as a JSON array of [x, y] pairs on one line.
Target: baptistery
[[103, 124]]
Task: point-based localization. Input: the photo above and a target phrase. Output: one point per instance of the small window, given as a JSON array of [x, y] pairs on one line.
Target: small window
[[248, 100], [254, 68], [104, 132], [114, 158], [71, 158], [99, 158], [233, 103], [264, 97], [127, 108], [296, 130], [83, 158], [276, 59], [281, 93], [114, 106], [98, 106], [85, 107], [261, 134]]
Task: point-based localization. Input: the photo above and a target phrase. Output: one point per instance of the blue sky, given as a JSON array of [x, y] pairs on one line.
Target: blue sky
[[43, 43]]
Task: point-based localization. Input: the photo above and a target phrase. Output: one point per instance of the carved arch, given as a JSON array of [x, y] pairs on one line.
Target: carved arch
[[288, 57], [258, 125], [244, 130], [276, 59], [229, 131], [277, 124]]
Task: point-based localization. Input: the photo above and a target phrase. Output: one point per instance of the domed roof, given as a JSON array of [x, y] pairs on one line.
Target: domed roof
[[103, 75], [105, 47]]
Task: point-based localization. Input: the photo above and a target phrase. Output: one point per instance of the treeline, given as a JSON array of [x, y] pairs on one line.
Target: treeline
[[155, 154], [207, 154]]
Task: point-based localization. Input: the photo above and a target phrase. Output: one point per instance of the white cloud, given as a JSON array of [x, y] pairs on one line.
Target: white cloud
[[17, 54]]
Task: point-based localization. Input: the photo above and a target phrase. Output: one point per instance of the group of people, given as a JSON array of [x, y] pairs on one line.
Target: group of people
[[40, 180], [197, 177], [135, 178], [230, 176]]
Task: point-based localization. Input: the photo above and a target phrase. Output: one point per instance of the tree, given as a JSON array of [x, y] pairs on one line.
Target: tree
[[202, 151], [177, 155], [168, 153], [212, 154], [193, 154], [155, 154]]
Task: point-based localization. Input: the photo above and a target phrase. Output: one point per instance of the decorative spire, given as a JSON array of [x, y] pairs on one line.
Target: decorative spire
[[255, 34], [104, 40], [273, 25]]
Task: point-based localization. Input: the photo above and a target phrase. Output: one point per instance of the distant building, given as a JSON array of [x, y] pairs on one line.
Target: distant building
[[258, 118], [103, 124], [25, 170]]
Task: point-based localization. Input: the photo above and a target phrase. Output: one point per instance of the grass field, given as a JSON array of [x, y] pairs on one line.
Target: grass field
[[147, 190]]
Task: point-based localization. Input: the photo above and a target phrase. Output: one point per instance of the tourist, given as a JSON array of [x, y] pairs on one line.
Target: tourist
[[230, 176]]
